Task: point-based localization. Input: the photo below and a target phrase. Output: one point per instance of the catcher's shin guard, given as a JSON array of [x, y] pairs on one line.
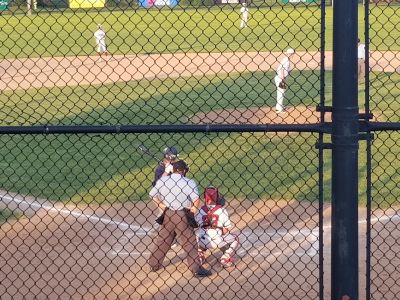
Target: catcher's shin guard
[[202, 257], [226, 260], [228, 257]]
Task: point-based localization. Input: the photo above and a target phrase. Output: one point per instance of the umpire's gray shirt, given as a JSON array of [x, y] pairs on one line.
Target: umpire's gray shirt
[[176, 191]]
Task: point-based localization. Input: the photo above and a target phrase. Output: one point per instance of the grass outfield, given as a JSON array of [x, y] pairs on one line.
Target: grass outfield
[[169, 31], [6, 215], [108, 168]]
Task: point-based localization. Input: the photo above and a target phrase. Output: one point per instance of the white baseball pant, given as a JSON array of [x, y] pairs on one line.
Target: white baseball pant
[[279, 95], [101, 46], [243, 23], [211, 239]]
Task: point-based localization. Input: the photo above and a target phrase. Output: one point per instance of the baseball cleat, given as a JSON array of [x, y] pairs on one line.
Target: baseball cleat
[[227, 265], [155, 268], [226, 261], [201, 272], [281, 110]]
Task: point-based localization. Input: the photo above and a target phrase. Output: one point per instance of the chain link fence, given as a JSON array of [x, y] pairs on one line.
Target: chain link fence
[[82, 224], [85, 121], [383, 89]]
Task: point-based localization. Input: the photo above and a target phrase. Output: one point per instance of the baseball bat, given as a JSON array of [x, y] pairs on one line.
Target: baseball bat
[[144, 150]]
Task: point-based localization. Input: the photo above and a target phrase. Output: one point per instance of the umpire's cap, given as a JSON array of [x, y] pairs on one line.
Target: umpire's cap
[[170, 153], [180, 165]]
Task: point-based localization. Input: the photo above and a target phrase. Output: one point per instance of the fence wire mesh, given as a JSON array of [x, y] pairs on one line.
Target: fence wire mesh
[[384, 83], [76, 218], [158, 66], [80, 223]]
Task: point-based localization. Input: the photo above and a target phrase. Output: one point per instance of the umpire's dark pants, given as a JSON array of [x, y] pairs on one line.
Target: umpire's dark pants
[[175, 222]]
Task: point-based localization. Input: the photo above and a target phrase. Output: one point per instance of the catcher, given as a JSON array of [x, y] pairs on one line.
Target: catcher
[[214, 227]]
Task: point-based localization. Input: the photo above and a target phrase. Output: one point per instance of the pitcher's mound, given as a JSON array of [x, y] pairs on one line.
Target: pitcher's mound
[[263, 115]]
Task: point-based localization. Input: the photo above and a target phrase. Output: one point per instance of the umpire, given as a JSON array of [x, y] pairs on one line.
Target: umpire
[[174, 194]]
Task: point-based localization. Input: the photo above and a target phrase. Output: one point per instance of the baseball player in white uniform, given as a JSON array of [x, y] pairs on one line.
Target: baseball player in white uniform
[[282, 72], [361, 60], [214, 227], [244, 10], [100, 37]]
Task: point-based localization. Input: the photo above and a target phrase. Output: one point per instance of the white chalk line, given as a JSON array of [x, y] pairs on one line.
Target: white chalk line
[[310, 235], [250, 242], [242, 252], [139, 230]]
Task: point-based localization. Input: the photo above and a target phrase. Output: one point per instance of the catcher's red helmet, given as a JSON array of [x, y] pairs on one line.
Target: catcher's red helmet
[[211, 195]]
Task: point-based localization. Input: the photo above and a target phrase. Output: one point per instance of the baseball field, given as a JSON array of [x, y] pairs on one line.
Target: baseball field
[[77, 221]]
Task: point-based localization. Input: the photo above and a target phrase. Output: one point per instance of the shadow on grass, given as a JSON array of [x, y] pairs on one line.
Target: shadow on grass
[[109, 168], [7, 215]]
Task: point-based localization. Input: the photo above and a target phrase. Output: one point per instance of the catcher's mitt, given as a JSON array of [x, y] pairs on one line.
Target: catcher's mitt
[[282, 85]]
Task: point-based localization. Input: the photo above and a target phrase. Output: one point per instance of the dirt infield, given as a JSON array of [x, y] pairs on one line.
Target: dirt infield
[[263, 115], [267, 115], [69, 252], [66, 252], [83, 70]]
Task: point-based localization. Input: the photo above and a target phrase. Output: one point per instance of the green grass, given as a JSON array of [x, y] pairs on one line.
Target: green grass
[[108, 168], [6, 215], [150, 102], [212, 29]]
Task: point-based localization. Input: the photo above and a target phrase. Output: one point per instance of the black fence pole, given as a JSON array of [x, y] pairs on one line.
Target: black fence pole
[[345, 130]]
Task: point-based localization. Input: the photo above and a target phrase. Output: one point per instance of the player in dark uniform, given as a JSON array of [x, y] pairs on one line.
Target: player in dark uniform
[[165, 167]]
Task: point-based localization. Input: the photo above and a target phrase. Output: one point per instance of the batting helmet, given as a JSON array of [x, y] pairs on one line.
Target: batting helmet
[[170, 153], [213, 197]]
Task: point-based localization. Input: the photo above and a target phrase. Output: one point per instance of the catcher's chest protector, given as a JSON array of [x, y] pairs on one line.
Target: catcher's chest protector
[[210, 219]]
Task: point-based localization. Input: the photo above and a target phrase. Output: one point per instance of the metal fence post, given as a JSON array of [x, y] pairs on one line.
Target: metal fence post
[[345, 152]]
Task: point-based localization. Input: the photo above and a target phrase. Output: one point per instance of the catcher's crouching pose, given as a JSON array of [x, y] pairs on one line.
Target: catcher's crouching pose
[[214, 226]]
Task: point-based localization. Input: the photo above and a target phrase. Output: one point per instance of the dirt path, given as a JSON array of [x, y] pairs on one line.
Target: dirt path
[[83, 70]]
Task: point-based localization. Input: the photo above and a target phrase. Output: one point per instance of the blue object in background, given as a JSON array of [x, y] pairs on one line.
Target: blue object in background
[[158, 3]]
